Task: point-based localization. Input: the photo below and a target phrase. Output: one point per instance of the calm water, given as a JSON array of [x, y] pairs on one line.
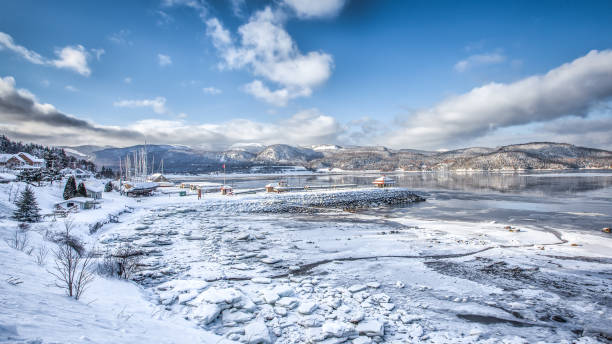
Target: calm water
[[562, 200]]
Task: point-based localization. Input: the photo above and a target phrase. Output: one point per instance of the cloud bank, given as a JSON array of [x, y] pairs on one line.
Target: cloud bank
[[70, 57], [572, 89], [22, 116]]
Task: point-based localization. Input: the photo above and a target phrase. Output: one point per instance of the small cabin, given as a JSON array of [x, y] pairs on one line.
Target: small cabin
[[76, 203], [279, 186], [94, 191], [227, 190], [383, 182]]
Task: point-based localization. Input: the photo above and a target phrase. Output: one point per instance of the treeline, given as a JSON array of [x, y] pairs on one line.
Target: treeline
[[56, 158]]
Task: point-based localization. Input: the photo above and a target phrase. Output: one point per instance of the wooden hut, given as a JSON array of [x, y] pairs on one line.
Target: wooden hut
[[383, 182]]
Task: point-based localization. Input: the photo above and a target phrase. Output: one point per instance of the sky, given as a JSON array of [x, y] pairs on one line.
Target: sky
[[432, 75]]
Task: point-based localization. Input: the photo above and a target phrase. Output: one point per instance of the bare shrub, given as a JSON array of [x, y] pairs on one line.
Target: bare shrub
[[41, 255], [122, 263], [66, 238], [19, 240], [72, 268]]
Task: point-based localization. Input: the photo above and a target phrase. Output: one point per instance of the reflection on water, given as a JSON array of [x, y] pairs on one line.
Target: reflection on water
[[572, 200]]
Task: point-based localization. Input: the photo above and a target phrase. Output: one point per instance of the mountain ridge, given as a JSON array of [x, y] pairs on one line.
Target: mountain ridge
[[531, 155]]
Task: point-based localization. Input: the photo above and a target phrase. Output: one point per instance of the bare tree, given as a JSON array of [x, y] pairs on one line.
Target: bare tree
[[72, 268]]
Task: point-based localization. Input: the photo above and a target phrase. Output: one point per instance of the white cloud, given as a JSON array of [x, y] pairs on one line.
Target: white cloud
[[164, 60], [268, 51], [572, 89], [74, 58], [98, 53], [478, 60], [71, 88], [127, 80], [199, 6], [158, 104], [121, 37], [69, 57], [316, 8], [279, 97], [211, 90]]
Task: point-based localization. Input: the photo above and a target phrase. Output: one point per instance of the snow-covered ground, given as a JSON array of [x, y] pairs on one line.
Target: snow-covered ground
[[228, 267]]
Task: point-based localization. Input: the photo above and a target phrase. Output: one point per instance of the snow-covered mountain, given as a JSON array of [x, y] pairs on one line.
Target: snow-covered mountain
[[537, 155]]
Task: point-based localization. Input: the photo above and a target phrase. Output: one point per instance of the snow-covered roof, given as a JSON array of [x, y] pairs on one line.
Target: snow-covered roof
[[78, 200], [31, 157], [384, 180], [144, 185], [94, 187], [5, 157]]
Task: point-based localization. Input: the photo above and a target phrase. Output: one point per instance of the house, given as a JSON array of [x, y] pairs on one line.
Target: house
[[280, 186], [21, 160], [31, 160], [160, 179], [77, 173], [383, 182], [227, 190], [94, 190], [76, 203]]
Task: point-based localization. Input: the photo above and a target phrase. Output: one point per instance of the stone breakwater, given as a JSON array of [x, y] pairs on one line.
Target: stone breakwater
[[300, 202]]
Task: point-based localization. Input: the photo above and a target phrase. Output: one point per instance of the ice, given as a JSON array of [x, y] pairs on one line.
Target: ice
[[233, 316], [257, 333], [217, 295], [371, 328], [261, 280], [357, 287], [270, 297], [337, 329], [362, 340], [374, 285], [206, 312], [307, 308], [288, 302], [283, 290]]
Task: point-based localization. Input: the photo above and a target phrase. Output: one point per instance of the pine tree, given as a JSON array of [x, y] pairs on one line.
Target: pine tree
[[27, 207], [70, 190], [82, 191], [108, 187]]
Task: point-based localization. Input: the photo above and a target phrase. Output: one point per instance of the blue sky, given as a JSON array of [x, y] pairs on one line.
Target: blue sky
[[395, 73]]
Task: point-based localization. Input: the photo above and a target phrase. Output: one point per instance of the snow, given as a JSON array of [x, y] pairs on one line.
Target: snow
[[225, 265]]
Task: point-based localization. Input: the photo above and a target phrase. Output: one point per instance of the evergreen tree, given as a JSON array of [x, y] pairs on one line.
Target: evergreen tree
[[108, 187], [27, 207], [82, 191], [70, 190]]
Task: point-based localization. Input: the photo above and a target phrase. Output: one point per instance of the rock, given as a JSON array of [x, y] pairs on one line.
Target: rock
[[288, 302], [206, 313], [357, 287], [312, 321], [307, 308], [371, 328], [415, 331], [261, 280], [257, 333], [337, 329], [374, 285], [399, 284]]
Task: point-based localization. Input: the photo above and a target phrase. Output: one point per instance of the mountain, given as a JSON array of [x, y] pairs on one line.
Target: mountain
[[241, 158]]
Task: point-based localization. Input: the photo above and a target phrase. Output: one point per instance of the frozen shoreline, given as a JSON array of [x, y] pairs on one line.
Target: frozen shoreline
[[229, 266]]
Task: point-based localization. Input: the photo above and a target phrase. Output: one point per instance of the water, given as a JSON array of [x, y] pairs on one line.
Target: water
[[577, 200]]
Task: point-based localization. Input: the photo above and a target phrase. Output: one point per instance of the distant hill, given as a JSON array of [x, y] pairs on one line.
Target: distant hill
[[536, 155]]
